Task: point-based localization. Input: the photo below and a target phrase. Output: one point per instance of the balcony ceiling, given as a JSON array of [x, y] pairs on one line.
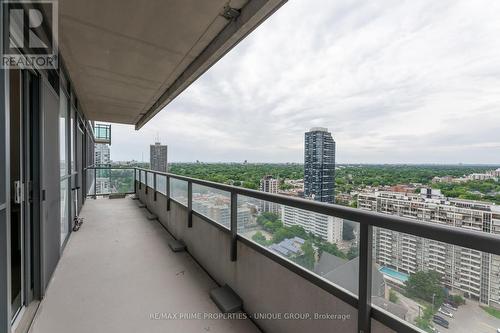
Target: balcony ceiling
[[127, 59]]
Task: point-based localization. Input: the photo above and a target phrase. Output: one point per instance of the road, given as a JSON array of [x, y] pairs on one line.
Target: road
[[470, 318]]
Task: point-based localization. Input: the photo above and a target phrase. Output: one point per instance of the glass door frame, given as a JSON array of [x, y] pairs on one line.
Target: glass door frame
[[29, 153], [67, 177]]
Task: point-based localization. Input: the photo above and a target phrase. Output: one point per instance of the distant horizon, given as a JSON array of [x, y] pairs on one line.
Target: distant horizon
[[337, 164]]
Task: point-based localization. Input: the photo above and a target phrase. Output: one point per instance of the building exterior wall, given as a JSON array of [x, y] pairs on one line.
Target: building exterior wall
[[319, 165], [158, 157], [270, 185], [102, 157], [327, 227], [218, 208], [468, 271], [102, 154]]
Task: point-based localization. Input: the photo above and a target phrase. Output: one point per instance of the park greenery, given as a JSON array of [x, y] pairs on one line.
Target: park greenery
[[239, 174], [349, 177], [483, 190]]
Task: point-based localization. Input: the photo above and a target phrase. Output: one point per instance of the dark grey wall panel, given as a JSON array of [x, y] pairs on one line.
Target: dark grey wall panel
[[51, 210], [4, 197]]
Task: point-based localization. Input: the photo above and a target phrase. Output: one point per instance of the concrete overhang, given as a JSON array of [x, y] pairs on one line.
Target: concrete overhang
[[128, 59]]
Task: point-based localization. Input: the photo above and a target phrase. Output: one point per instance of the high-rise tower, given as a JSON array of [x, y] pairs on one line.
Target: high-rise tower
[[158, 157], [319, 165]]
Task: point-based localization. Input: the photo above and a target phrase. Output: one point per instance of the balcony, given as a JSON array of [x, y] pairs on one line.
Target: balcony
[[117, 274], [118, 270], [102, 133]]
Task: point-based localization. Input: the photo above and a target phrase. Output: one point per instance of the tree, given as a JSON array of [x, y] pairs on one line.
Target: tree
[[306, 259], [426, 286], [330, 248], [353, 252], [259, 238], [348, 230], [393, 297]]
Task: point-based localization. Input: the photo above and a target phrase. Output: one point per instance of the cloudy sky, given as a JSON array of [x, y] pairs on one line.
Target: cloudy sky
[[394, 81]]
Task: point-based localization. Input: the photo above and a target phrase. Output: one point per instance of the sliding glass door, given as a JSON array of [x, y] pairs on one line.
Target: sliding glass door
[[65, 172]]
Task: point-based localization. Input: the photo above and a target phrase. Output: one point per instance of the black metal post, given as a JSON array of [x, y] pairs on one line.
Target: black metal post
[[146, 182], [365, 278], [190, 205], [135, 181], [140, 179], [95, 183], [154, 186], [168, 193], [234, 226]]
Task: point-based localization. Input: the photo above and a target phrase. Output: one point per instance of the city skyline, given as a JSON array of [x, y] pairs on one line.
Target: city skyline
[[414, 84]]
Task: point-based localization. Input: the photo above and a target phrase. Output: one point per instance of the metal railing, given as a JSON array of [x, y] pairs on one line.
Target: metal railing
[[106, 180], [102, 133], [475, 240]]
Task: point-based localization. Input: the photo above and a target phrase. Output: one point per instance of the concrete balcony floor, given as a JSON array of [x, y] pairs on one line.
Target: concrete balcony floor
[[118, 270]]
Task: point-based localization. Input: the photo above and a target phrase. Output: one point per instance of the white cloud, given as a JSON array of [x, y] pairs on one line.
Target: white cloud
[[395, 81]]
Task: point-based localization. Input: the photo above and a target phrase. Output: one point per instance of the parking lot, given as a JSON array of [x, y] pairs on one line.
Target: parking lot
[[470, 318]]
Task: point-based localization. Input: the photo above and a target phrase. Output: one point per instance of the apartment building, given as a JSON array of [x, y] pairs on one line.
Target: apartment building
[[495, 173], [473, 273], [158, 157], [269, 184], [319, 165], [327, 227], [217, 208], [102, 158]]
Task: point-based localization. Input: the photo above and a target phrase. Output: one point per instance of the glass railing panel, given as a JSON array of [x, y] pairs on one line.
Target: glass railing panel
[[114, 180], [179, 191], [213, 203], [326, 246], [161, 184], [90, 179], [437, 286], [143, 176], [151, 177], [122, 181]]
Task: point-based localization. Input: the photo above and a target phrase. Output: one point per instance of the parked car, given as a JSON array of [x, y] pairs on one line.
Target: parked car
[[445, 312], [450, 306], [441, 321]]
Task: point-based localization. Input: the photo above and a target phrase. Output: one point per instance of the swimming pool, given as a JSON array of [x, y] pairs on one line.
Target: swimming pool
[[394, 274]]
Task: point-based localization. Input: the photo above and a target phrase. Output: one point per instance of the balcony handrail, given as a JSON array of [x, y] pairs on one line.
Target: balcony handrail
[[476, 240], [471, 239]]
